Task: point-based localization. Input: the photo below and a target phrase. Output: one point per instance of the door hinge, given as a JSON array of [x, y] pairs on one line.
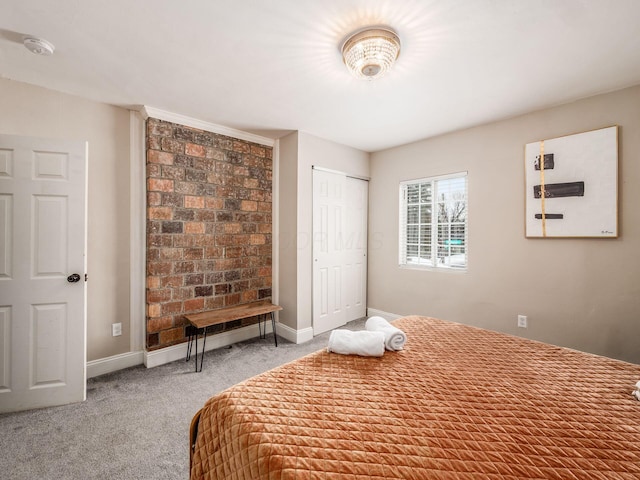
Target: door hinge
[[86, 277]]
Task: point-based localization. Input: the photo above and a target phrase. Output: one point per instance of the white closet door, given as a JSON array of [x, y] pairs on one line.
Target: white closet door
[[339, 249], [355, 255], [329, 190]]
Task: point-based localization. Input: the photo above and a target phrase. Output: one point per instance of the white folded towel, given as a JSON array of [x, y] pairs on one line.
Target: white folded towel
[[347, 342], [394, 337]]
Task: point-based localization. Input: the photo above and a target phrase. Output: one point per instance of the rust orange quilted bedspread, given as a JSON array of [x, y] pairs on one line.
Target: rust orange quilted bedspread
[[457, 403]]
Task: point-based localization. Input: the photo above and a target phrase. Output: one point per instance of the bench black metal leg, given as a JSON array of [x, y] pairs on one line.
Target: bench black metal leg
[[262, 318], [273, 326], [204, 342], [190, 343], [196, 359]]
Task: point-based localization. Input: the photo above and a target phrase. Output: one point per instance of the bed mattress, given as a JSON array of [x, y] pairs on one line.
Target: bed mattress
[[457, 403]]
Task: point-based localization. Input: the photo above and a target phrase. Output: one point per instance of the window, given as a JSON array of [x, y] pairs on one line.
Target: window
[[433, 222]]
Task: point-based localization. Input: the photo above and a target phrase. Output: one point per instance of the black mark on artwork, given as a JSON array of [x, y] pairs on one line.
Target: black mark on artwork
[[550, 216], [557, 190], [549, 163]]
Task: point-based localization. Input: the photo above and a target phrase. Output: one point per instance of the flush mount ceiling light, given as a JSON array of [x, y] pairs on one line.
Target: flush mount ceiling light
[[39, 46], [370, 52]]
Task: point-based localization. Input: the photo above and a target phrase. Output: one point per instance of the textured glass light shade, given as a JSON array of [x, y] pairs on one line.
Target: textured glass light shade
[[370, 53]]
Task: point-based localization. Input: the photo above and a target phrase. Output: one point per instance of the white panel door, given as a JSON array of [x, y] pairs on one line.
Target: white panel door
[[42, 244], [355, 245], [329, 191]]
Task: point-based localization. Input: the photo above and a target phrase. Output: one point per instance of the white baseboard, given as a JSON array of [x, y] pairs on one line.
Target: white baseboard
[[155, 358], [293, 335], [379, 313], [114, 363]]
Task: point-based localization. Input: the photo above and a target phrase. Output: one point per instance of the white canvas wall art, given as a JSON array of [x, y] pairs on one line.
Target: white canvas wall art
[[572, 185]]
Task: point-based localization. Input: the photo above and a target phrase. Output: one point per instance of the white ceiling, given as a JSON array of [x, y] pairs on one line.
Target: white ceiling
[[273, 66]]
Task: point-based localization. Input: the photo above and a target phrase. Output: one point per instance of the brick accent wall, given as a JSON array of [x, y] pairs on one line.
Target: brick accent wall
[[209, 226]]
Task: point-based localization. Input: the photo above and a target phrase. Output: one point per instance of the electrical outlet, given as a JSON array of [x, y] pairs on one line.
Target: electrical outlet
[[522, 321], [116, 329]]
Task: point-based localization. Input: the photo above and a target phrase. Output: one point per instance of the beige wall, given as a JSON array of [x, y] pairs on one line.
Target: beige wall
[[287, 225], [580, 293], [299, 152], [35, 111]]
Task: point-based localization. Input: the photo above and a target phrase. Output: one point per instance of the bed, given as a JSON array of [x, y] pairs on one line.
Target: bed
[[457, 403]]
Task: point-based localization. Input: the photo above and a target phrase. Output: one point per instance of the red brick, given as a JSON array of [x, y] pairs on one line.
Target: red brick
[[163, 158], [172, 281], [258, 150], [193, 304], [241, 171], [258, 239], [171, 253], [159, 127], [232, 228], [214, 203], [171, 335], [193, 202], [175, 173], [153, 254], [184, 267], [240, 146], [152, 341], [248, 296], [202, 240], [259, 196], [250, 182], [159, 268], [233, 252], [153, 282], [183, 293], [194, 150], [214, 153], [224, 240], [264, 206], [154, 310], [211, 303], [233, 299], [158, 296], [154, 142], [154, 198], [204, 215], [157, 324], [264, 272], [171, 145], [248, 206], [194, 227], [153, 170], [160, 213], [182, 241], [193, 253], [158, 185], [213, 252], [172, 307]]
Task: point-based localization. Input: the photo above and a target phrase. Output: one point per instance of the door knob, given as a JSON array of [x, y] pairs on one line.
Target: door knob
[[73, 278]]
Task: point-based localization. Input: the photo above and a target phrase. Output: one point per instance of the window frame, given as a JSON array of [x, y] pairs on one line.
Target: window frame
[[434, 223]]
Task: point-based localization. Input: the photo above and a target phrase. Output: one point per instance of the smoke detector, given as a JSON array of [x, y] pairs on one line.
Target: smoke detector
[[39, 46]]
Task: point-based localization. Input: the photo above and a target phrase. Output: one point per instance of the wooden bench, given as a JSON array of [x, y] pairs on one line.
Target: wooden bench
[[199, 322]]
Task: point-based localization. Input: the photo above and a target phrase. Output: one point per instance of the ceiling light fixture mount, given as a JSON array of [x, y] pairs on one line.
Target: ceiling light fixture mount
[[369, 53], [39, 46]]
